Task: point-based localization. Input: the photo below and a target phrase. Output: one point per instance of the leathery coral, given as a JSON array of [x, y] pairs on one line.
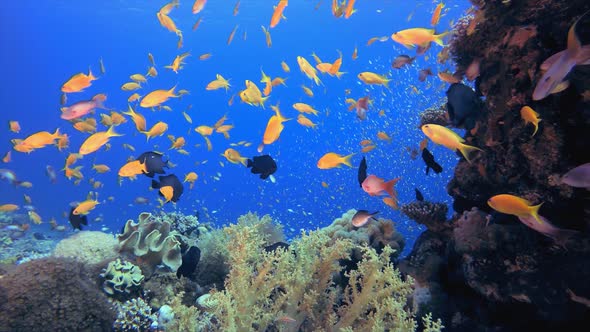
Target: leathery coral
[[293, 289]]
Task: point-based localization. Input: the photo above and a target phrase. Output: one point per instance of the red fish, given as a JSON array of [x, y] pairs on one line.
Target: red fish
[[82, 108], [375, 186]]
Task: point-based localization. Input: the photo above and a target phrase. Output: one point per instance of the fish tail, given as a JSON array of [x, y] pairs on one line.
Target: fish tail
[[346, 160], [466, 150], [56, 134], [536, 124], [91, 77], [388, 187], [262, 100], [244, 161], [438, 38], [317, 80], [171, 92], [535, 213], [111, 132]]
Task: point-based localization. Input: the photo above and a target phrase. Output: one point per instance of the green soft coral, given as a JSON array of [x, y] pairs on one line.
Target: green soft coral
[[121, 277], [293, 289]]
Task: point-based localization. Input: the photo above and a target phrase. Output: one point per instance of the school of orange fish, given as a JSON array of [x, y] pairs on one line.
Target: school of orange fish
[[81, 115]]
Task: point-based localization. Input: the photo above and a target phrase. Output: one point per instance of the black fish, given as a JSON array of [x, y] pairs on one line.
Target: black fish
[[153, 163], [190, 259], [275, 246], [463, 106], [419, 196], [170, 180], [430, 162], [77, 220], [362, 174], [422, 74], [263, 165]]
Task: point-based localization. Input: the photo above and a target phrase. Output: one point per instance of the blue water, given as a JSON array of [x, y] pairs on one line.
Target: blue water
[[46, 42]]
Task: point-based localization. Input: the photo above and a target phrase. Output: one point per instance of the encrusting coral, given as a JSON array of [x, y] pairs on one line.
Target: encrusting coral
[[53, 294], [432, 215], [89, 247], [152, 240], [121, 277]]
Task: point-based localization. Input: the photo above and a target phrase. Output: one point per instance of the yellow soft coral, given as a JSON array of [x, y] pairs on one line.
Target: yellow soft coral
[[293, 289]]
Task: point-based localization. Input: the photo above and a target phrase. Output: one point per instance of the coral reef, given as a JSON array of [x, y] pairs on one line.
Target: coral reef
[[135, 315], [437, 116], [293, 289], [376, 235], [510, 41], [431, 215], [183, 224], [121, 278], [52, 294], [152, 240], [89, 247]]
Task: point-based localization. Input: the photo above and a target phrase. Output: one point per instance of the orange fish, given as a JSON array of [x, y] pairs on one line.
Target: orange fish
[[348, 11], [157, 130], [274, 127], [14, 126], [78, 82], [132, 169], [278, 13], [6, 158], [97, 140], [157, 97], [436, 15], [198, 6], [332, 160], [231, 35], [86, 206]]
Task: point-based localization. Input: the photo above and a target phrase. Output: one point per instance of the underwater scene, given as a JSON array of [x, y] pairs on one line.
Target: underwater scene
[[312, 165]]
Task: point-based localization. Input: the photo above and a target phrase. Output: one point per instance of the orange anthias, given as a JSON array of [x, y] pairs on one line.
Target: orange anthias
[[78, 82]]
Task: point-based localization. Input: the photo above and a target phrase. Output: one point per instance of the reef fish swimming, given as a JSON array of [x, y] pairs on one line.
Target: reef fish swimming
[[463, 106], [578, 177], [362, 173], [430, 162], [263, 165], [362, 217], [169, 187], [153, 163]]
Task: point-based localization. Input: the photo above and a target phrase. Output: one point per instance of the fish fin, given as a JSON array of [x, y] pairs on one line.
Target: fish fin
[[155, 184], [244, 161], [346, 160], [388, 187], [438, 38], [535, 213], [466, 150], [111, 132]]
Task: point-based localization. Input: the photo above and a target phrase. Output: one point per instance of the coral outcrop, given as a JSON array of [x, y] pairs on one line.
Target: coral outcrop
[[135, 315], [53, 294], [152, 240], [89, 247]]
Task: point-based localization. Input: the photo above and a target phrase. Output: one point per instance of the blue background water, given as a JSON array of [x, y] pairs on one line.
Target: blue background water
[[46, 42]]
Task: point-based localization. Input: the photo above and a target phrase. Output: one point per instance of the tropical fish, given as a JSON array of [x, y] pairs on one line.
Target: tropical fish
[[263, 165], [418, 36], [157, 129], [82, 108], [157, 97], [278, 13], [449, 139], [190, 259], [132, 169], [97, 140], [308, 70], [419, 196], [430, 162], [78, 82], [463, 106], [86, 206], [560, 64], [362, 172], [169, 187], [578, 177], [191, 178], [375, 186], [50, 172], [528, 115], [234, 156], [510, 204], [402, 60], [372, 78], [274, 127], [332, 160], [362, 217], [137, 118], [436, 14], [198, 6], [154, 163], [77, 220]]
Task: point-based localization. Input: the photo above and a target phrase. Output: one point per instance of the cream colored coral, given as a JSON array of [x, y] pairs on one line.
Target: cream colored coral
[[87, 246]]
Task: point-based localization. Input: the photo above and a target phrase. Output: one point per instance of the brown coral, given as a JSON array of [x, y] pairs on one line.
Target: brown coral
[[52, 294], [431, 215]]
